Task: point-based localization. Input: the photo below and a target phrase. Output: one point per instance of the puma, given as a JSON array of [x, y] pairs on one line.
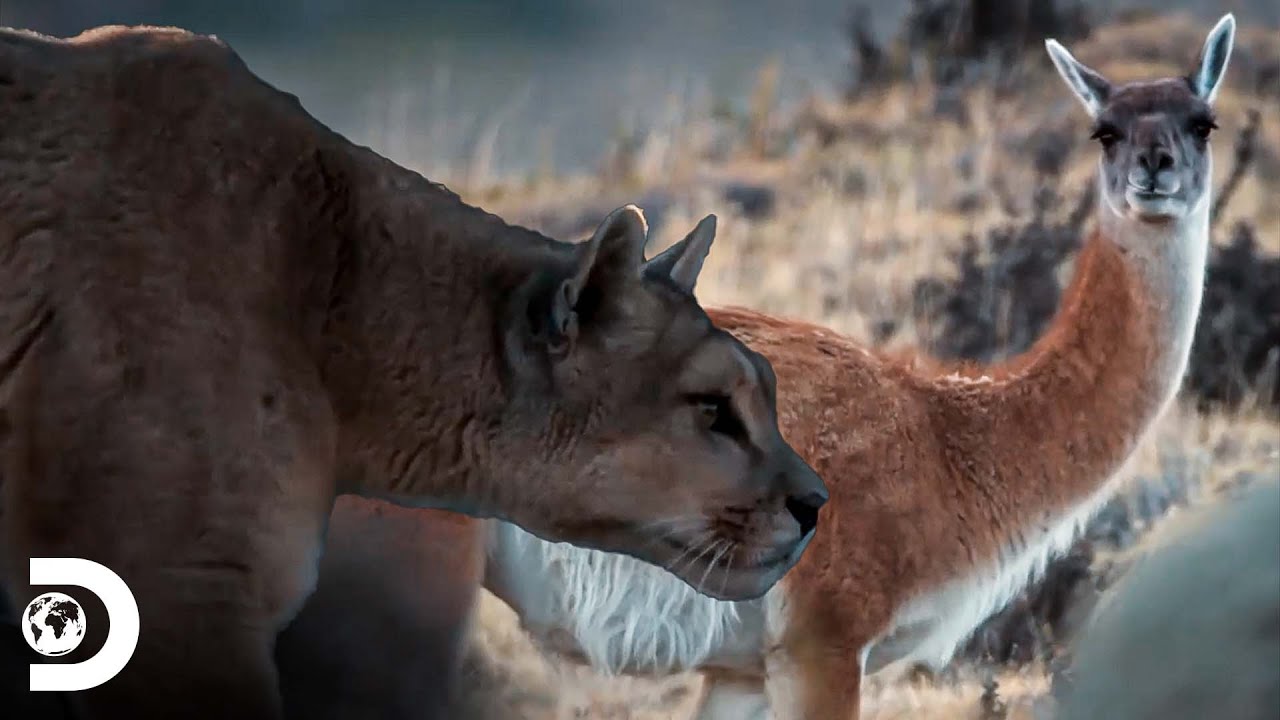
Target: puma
[[217, 315]]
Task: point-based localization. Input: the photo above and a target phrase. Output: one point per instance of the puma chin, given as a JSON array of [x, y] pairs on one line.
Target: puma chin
[[728, 572], [734, 540]]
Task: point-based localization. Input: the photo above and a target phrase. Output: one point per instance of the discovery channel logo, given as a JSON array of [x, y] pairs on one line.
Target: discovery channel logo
[[54, 624]]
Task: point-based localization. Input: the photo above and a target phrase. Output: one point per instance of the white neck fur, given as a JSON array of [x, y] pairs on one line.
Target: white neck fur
[[1172, 259]]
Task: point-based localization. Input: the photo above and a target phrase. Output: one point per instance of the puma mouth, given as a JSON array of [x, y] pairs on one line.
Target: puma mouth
[[726, 570], [769, 560], [718, 556], [687, 555], [727, 557]]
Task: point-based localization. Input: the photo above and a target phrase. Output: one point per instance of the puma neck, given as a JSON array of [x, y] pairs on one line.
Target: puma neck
[[423, 285]]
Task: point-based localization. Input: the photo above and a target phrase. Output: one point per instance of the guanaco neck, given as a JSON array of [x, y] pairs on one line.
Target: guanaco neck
[[1057, 422], [413, 360], [1170, 264]]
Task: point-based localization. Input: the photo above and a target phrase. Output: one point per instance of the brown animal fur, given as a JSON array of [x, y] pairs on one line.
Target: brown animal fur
[[961, 496], [941, 474], [926, 485], [950, 490], [216, 314], [949, 483]]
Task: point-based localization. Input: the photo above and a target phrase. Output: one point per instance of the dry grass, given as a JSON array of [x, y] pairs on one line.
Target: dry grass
[[856, 222]]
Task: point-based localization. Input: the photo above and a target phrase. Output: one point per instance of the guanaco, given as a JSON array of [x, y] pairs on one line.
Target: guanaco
[[216, 315], [950, 488]]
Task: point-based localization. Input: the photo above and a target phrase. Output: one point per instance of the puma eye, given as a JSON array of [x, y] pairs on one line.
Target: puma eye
[[717, 415], [711, 408]]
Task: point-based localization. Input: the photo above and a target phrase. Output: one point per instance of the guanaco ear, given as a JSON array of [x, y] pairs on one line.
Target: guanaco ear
[[613, 254], [1212, 64], [682, 262], [1089, 86]]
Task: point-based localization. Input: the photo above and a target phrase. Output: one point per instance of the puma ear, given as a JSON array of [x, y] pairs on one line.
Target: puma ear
[[682, 262], [563, 330], [1089, 86], [613, 254]]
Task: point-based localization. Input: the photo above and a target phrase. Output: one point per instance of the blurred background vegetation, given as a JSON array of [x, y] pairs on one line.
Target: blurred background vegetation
[[911, 173], [429, 77]]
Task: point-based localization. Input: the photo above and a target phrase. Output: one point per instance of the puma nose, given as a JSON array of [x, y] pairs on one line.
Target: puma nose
[[804, 508], [802, 490]]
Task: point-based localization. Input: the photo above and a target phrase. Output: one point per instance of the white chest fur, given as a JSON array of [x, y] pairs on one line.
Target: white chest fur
[[623, 615], [929, 629]]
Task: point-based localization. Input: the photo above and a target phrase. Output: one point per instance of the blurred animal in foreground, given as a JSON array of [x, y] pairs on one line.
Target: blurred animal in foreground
[[1193, 629]]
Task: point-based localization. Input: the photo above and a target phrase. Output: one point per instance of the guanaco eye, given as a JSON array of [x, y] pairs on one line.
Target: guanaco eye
[[717, 415], [1203, 128], [1108, 135]]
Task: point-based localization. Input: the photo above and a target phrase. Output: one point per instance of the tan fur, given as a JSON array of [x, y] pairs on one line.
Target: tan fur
[[216, 314], [931, 474], [950, 487], [939, 471]]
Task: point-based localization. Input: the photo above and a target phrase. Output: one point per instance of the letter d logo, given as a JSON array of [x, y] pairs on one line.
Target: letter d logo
[[54, 624]]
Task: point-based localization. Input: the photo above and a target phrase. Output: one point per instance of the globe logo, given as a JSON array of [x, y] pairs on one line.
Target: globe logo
[[53, 624]]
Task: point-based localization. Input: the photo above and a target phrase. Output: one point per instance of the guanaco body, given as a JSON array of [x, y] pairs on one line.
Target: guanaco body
[[950, 490]]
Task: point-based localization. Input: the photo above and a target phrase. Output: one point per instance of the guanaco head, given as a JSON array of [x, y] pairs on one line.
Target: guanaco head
[[651, 432], [1156, 164]]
